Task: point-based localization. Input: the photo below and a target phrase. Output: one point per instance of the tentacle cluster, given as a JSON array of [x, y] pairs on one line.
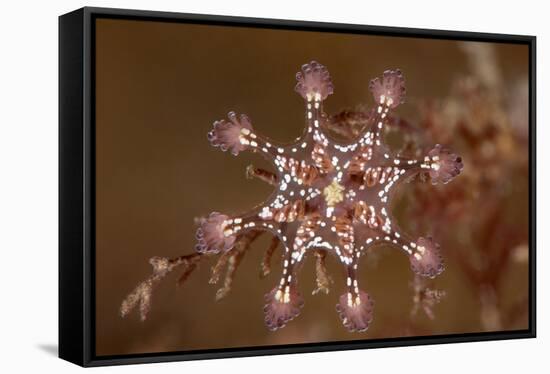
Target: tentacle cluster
[[444, 165], [213, 236]]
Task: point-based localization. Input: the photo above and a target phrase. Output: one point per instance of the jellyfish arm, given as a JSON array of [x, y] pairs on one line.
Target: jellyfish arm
[[441, 166], [218, 232], [314, 85], [284, 302], [355, 307], [388, 92], [237, 134]]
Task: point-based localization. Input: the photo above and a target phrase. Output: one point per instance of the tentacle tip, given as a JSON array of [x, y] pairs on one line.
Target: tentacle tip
[[231, 135], [444, 165], [314, 82], [390, 90], [282, 306], [355, 311], [426, 259], [213, 235]]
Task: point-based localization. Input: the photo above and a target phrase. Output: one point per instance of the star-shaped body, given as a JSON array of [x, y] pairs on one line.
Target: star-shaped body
[[329, 196]]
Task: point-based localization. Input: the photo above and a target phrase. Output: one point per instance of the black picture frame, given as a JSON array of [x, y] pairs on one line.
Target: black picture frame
[[77, 181]]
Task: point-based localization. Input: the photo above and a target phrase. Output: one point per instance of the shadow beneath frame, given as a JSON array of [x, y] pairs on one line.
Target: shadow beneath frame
[[51, 349]]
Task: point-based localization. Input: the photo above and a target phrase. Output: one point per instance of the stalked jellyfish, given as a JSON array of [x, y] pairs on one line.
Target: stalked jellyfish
[[330, 197]]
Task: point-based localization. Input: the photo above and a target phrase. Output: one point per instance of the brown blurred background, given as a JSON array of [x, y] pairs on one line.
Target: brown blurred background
[[160, 86]]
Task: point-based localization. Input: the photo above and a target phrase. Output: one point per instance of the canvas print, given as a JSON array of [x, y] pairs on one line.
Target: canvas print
[[263, 187]]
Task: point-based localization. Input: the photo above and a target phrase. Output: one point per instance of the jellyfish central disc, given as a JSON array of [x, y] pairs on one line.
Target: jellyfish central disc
[[333, 193]]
